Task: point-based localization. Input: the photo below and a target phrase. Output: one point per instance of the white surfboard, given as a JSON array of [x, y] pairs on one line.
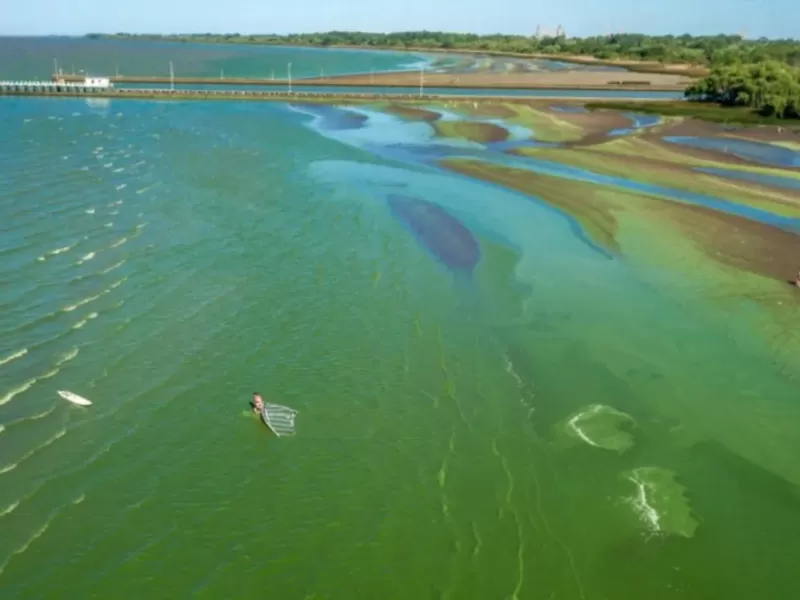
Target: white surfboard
[[74, 398]]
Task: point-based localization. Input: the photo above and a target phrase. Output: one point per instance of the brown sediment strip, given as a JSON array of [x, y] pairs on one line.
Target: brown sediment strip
[[738, 242], [731, 240], [411, 113], [472, 131]]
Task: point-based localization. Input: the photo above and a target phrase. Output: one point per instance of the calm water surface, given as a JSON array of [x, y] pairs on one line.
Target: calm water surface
[[166, 259], [22, 58]]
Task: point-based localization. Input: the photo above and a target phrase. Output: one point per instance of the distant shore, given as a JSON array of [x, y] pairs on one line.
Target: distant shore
[[638, 66]]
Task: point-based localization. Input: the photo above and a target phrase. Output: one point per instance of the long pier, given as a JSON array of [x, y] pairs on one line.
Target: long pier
[[383, 80], [78, 90]]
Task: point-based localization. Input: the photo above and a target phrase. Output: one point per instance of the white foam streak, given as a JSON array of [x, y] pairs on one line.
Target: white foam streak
[[24, 387], [86, 258], [9, 509], [645, 510], [80, 303], [55, 252], [15, 356], [36, 449], [113, 267], [573, 422]]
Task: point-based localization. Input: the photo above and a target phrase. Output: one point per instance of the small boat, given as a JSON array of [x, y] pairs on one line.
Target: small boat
[[74, 398], [280, 419]]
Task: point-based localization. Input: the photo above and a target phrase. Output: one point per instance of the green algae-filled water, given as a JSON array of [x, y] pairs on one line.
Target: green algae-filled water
[[165, 260]]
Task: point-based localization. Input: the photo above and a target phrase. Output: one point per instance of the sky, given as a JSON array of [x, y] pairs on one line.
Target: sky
[[769, 18]]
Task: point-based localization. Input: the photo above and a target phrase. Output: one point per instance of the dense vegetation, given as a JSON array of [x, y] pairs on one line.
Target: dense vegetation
[[702, 50], [771, 88]]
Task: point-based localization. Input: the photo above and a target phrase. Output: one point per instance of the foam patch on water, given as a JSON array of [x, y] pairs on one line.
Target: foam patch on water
[[660, 501], [601, 426]]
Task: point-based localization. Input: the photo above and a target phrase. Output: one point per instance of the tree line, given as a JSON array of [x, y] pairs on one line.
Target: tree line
[[696, 50], [770, 87]]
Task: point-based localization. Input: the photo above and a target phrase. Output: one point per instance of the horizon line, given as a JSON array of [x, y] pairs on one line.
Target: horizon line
[[384, 33]]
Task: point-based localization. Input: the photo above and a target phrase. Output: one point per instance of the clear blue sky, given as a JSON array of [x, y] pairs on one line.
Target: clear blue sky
[[771, 18]]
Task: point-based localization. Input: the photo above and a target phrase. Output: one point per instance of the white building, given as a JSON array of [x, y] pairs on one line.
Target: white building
[[97, 82]]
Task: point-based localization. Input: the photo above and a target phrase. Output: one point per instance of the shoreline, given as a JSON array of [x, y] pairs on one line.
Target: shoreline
[[634, 66]]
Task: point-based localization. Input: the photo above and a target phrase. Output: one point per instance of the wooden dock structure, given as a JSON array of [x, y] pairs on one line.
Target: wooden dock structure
[[76, 89], [384, 80]]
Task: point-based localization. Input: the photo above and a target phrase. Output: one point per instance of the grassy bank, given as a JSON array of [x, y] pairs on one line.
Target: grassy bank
[[707, 111]]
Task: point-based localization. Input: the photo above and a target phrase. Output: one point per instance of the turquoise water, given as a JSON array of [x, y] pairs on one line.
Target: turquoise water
[[23, 58], [166, 259], [392, 138]]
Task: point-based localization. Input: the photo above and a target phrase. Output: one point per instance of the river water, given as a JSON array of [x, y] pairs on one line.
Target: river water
[[167, 259]]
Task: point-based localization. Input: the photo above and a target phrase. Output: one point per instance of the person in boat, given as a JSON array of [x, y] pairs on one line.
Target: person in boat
[[258, 402]]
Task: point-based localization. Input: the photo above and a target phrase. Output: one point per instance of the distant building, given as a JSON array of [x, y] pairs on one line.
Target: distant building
[[547, 32]]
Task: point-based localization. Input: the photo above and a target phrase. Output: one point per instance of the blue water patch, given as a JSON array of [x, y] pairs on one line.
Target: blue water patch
[[762, 178], [439, 232], [563, 108], [768, 154], [393, 139]]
